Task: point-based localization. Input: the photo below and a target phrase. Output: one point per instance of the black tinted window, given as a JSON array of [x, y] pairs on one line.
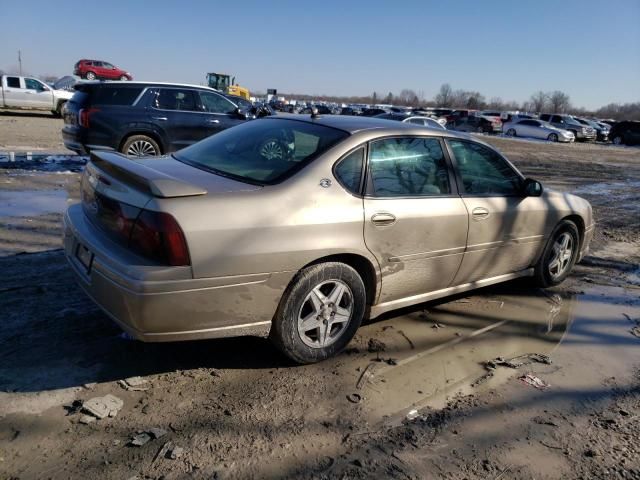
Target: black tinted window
[[13, 82], [214, 103], [115, 95], [349, 170], [408, 167], [556, 119], [483, 171], [261, 151], [175, 99]]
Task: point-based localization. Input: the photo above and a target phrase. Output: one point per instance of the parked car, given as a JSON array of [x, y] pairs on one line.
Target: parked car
[[514, 117], [225, 238], [414, 119], [31, 94], [567, 122], [349, 111], [372, 112], [321, 109], [625, 133], [602, 130], [142, 119], [475, 123], [99, 70], [537, 129]]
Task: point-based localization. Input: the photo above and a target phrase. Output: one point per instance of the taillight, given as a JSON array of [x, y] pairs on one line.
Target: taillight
[[84, 115], [158, 236]]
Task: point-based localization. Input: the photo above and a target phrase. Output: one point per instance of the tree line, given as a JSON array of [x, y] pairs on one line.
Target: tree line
[[551, 102]]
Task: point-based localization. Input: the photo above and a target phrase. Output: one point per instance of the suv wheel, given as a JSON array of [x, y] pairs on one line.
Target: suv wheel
[[90, 76], [559, 255], [617, 140], [511, 132], [124, 78], [140, 146], [319, 312]]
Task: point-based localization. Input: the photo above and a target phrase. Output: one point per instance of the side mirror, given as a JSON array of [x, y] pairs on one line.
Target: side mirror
[[532, 188]]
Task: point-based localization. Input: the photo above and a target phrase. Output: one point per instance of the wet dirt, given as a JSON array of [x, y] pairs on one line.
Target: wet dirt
[[240, 410]]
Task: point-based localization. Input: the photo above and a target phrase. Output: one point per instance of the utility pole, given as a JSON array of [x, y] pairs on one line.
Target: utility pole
[[20, 61]]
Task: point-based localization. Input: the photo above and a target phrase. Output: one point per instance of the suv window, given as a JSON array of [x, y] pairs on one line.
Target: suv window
[[545, 117], [410, 166], [483, 171], [349, 170], [214, 103], [13, 82], [175, 99], [115, 96], [32, 84], [556, 119], [107, 65]]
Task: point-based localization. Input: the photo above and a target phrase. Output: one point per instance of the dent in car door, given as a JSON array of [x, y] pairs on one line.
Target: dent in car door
[[506, 229], [415, 223]]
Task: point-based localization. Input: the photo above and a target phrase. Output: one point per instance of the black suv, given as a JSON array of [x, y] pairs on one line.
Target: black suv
[[625, 133], [145, 118]]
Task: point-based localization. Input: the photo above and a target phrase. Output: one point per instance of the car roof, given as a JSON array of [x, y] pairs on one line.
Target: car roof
[[355, 124], [149, 84]]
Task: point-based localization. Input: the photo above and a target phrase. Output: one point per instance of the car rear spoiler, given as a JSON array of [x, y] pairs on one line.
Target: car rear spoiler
[[142, 177]]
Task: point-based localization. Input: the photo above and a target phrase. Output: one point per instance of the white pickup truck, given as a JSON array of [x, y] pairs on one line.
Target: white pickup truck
[[30, 93]]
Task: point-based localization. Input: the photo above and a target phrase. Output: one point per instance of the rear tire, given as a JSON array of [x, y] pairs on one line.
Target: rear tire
[[617, 140], [319, 312], [58, 111], [559, 255], [90, 76], [511, 133], [140, 146]]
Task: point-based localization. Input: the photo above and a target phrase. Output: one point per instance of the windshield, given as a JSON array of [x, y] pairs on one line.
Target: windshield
[[261, 151]]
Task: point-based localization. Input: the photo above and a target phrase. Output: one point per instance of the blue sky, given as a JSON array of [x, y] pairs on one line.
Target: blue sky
[[589, 49]]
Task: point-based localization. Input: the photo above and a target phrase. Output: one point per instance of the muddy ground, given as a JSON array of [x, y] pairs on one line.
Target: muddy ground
[[412, 397]]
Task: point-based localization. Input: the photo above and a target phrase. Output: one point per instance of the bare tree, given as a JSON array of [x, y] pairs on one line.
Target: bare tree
[[407, 97], [389, 99], [538, 101], [374, 97], [559, 102], [444, 96], [496, 103]]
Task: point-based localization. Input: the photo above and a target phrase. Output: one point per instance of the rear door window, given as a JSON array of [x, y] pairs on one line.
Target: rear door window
[[408, 167], [13, 82], [175, 99], [115, 95], [556, 119]]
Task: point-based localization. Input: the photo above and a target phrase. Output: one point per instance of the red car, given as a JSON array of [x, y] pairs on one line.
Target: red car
[[97, 69]]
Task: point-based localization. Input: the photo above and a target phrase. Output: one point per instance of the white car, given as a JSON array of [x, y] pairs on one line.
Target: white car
[[31, 93], [427, 122], [533, 128]]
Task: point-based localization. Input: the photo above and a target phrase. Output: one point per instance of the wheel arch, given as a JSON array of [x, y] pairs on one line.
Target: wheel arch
[[579, 222], [360, 264]]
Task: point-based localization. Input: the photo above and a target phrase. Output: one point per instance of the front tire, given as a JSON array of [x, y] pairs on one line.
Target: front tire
[[140, 146], [123, 78], [559, 255], [319, 312], [552, 137]]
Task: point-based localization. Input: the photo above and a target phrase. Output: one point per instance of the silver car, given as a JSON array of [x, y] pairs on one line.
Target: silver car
[[300, 227], [532, 128]]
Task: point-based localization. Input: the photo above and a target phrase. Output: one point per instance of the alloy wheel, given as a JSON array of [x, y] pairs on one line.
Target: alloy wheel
[[552, 137], [562, 255], [272, 150], [141, 148], [91, 76], [325, 314], [511, 132]]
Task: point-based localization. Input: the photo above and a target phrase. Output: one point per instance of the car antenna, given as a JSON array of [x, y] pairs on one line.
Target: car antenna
[[314, 112]]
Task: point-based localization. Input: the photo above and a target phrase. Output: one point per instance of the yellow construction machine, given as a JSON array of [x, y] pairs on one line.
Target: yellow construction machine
[[227, 84]]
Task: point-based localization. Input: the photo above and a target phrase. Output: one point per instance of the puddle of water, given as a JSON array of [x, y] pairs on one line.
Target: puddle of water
[[30, 203], [587, 332], [620, 189]]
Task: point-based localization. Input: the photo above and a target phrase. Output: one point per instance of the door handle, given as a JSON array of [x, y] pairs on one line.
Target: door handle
[[383, 219], [162, 119], [480, 213], [213, 121]]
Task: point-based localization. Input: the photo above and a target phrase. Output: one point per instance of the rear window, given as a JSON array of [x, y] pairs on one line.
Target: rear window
[[115, 95], [263, 151]]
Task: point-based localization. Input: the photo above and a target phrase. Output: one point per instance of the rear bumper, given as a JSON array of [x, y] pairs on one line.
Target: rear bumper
[[160, 304]]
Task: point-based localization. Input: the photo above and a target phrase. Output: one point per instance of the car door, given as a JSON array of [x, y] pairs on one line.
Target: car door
[[109, 71], [415, 222], [14, 92], [175, 112], [525, 128], [218, 113], [506, 228], [40, 95]]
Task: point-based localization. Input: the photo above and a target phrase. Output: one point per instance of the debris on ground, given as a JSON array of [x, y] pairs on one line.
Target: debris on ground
[[412, 415], [437, 325], [102, 407], [376, 345], [364, 376], [517, 362], [534, 381], [157, 432], [134, 384], [74, 408], [388, 361], [354, 397], [140, 439], [87, 419], [175, 452], [400, 332]]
